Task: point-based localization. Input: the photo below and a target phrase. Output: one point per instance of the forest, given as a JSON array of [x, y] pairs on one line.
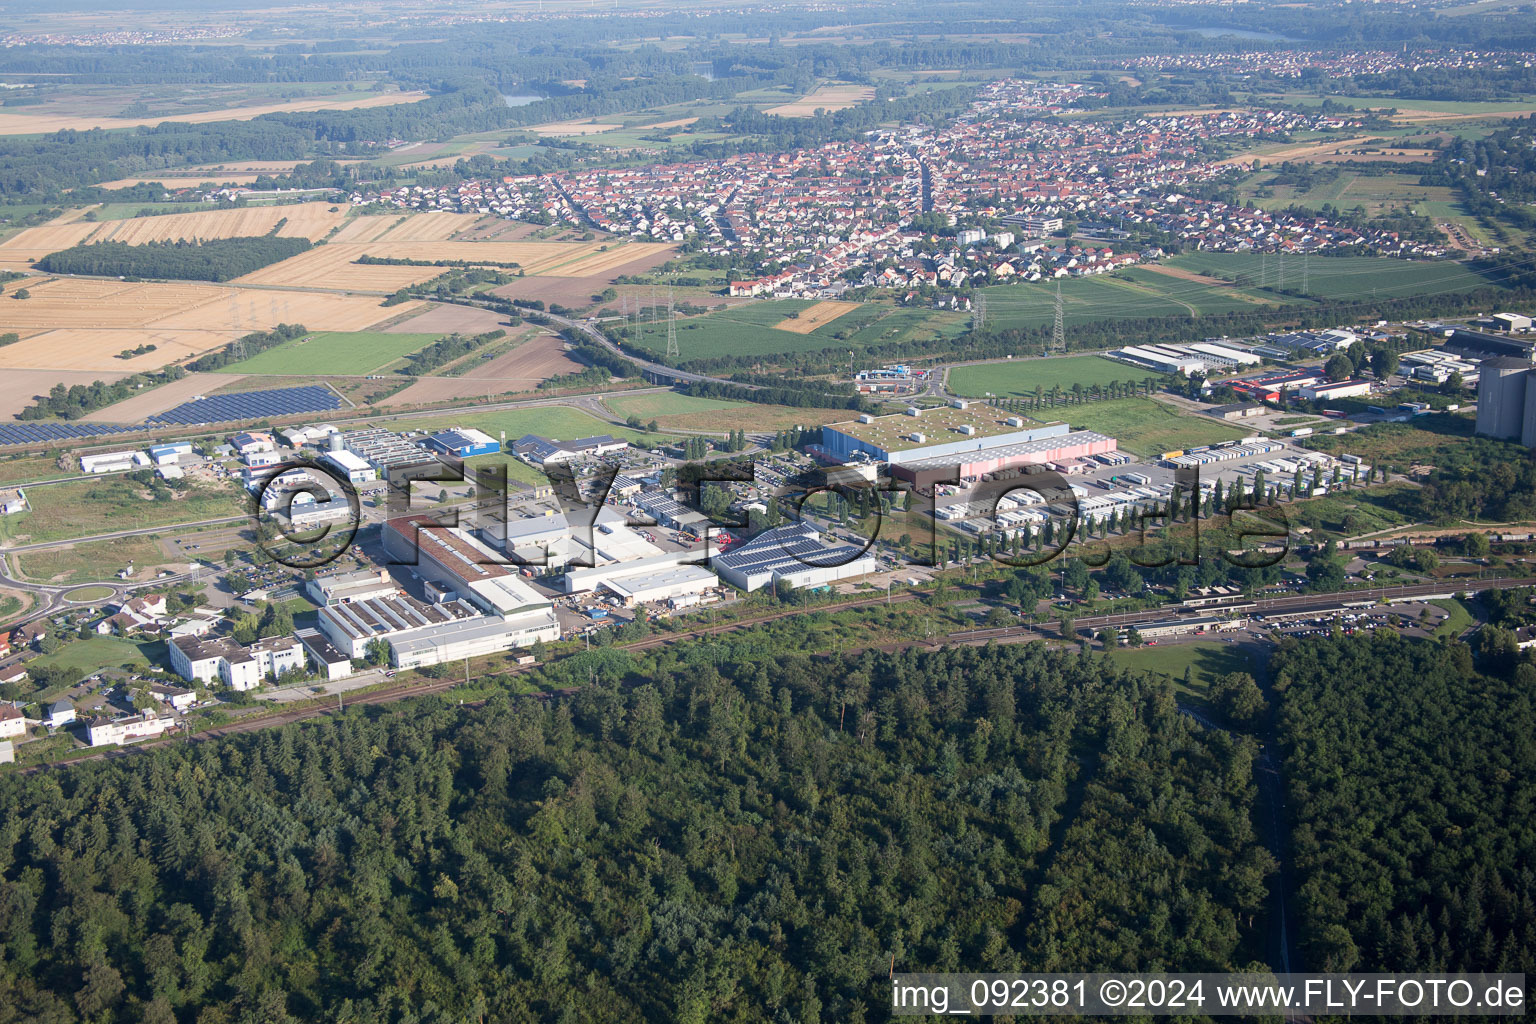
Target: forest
[[718, 832], [214, 259], [1412, 780]]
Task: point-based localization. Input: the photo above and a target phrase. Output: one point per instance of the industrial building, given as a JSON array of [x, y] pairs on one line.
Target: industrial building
[[670, 513], [792, 554], [1057, 450], [112, 462], [1506, 400], [550, 541], [657, 577], [345, 587], [929, 433], [200, 659], [381, 449], [541, 451], [1335, 389], [327, 659], [463, 443], [352, 466], [500, 611], [1465, 342]]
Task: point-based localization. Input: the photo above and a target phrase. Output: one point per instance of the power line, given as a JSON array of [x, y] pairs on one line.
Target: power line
[[1059, 328], [979, 312], [671, 327]]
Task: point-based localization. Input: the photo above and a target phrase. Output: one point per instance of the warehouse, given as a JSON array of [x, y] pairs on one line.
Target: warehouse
[[1336, 389], [551, 542], [463, 443], [354, 467], [670, 513], [794, 555], [466, 567], [381, 449], [112, 462], [1058, 450], [930, 433], [611, 575], [637, 584]]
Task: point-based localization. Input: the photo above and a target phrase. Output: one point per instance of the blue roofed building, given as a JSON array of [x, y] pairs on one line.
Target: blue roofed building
[[463, 443]]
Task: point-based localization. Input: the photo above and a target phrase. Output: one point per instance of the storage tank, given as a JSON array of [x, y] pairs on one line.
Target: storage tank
[[1501, 392], [334, 442]]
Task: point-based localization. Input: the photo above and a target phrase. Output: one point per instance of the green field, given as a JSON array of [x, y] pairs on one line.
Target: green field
[[1205, 661], [1340, 277], [1132, 293], [668, 404], [97, 653], [747, 330], [333, 352], [1019, 377], [92, 507], [95, 560], [1145, 426]]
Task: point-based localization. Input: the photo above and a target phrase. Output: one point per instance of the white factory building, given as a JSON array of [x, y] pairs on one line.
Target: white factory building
[[793, 554], [203, 660], [610, 556], [479, 605]]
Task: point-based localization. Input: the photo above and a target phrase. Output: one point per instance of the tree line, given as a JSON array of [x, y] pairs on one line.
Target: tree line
[[214, 259], [717, 831]]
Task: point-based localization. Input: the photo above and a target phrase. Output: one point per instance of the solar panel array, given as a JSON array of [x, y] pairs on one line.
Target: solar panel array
[[795, 544], [38, 433], [251, 405]]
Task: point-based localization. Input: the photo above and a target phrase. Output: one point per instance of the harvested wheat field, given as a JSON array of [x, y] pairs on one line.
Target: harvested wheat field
[[366, 229], [19, 387], [262, 310], [819, 315], [29, 245], [603, 264], [82, 323], [30, 124], [827, 97], [89, 303], [434, 226], [306, 220], [157, 400], [572, 128], [1302, 152], [180, 181], [334, 265], [521, 369], [446, 319], [97, 350]]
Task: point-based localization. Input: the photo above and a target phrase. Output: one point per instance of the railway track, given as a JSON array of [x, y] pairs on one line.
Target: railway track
[[966, 637]]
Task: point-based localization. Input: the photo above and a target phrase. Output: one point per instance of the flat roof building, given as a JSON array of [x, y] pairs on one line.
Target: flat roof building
[[918, 434], [793, 554], [464, 443]]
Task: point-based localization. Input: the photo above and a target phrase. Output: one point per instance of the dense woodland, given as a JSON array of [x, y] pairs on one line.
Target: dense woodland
[[1412, 780], [216, 259], [722, 833]]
